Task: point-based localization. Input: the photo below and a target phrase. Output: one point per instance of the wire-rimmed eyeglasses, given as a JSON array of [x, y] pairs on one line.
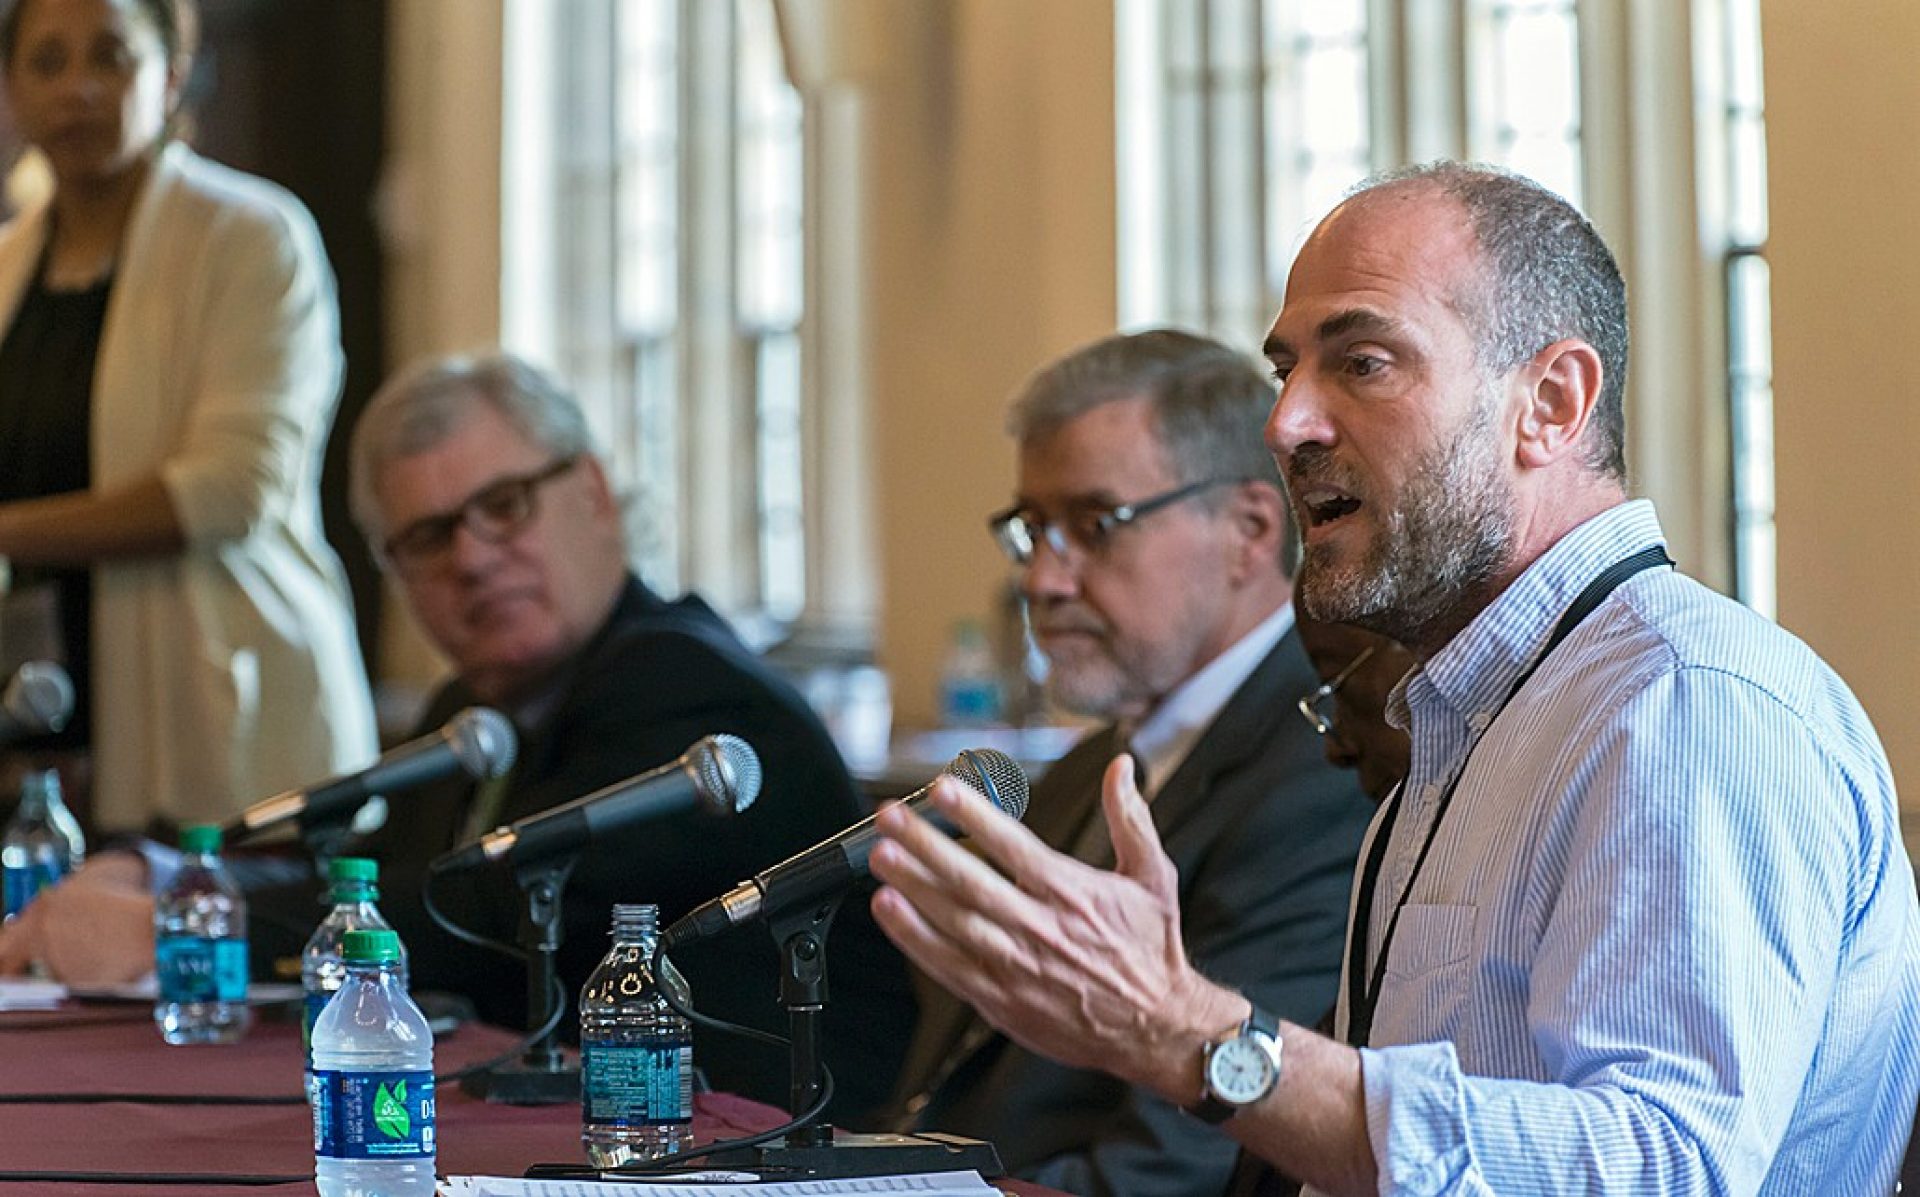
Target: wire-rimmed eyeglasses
[[1019, 531], [1317, 708], [493, 513]]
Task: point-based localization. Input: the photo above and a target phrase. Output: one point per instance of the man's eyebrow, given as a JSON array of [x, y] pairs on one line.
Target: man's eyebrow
[[1340, 324]]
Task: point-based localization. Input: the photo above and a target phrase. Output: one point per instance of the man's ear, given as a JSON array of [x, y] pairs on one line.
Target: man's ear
[[600, 487], [1561, 389], [1259, 514]]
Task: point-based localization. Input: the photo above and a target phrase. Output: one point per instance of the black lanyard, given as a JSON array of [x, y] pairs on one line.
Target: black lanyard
[[1361, 1000]]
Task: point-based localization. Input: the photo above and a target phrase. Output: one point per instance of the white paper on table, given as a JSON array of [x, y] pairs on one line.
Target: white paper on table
[[924, 1184], [26, 993]]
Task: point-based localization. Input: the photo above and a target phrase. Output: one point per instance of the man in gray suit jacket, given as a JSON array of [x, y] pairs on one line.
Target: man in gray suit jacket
[[1150, 532]]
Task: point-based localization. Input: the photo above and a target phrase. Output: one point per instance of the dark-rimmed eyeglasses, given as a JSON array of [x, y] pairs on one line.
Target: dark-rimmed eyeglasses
[[1019, 531], [494, 513], [1318, 706]]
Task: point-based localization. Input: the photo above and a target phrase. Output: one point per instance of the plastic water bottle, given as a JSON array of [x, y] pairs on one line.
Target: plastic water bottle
[[636, 1054], [373, 1102], [969, 679], [323, 966], [43, 842], [200, 944]]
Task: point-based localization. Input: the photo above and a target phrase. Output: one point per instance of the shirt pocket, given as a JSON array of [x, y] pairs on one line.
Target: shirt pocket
[[1430, 943]]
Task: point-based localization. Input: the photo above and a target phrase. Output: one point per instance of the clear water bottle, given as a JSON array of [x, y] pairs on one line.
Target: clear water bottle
[[636, 1054], [373, 1102], [43, 842], [200, 945], [352, 893], [969, 679]]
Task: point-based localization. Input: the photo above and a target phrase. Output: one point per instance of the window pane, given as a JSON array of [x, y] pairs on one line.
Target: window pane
[[1749, 312], [647, 143], [1525, 93], [783, 566], [1317, 114], [1747, 189], [769, 181], [653, 475], [1537, 66], [1332, 20]]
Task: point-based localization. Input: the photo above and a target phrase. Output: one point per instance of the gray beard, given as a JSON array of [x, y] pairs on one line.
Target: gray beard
[[1437, 554]]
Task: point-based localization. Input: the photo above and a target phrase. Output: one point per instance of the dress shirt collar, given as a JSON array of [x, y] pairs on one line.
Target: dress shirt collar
[[1170, 731], [1473, 674]]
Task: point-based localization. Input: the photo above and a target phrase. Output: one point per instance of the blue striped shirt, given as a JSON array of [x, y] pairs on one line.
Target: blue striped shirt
[[1666, 940]]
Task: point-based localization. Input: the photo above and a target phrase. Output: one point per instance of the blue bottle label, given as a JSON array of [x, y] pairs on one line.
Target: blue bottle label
[[194, 968], [373, 1115], [23, 882], [649, 1083]]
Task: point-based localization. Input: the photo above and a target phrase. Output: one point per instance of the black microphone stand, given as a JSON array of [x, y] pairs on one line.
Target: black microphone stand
[[813, 1150], [543, 1075]]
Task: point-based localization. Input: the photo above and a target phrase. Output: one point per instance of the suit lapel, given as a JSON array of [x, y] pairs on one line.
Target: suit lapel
[[1058, 808], [1241, 731]]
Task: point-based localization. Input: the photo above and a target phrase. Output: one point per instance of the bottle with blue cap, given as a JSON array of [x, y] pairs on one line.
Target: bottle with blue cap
[[200, 947], [373, 1092]]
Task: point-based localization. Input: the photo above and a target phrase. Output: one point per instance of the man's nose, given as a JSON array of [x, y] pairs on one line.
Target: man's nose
[[1299, 416], [1048, 574], [469, 553]]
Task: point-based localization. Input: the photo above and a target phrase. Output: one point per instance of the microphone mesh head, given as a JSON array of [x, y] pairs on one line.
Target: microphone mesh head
[[726, 771], [484, 742], [40, 696], [993, 775]]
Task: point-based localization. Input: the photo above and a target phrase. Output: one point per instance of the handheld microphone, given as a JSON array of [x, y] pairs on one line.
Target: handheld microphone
[[38, 699], [478, 741], [824, 870], [719, 774]]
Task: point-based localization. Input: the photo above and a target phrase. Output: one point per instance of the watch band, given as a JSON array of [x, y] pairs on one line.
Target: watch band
[[1210, 1109]]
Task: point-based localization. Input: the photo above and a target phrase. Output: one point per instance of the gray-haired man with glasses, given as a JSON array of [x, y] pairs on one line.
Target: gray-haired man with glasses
[[1149, 532], [478, 482]]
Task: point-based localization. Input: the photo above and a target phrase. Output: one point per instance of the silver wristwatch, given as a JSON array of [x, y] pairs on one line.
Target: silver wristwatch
[[1239, 1070]]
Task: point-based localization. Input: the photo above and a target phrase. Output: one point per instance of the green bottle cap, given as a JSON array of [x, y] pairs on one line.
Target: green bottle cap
[[353, 868], [370, 947], [201, 838]]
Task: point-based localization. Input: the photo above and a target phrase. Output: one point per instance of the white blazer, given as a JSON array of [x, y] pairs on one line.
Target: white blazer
[[230, 671]]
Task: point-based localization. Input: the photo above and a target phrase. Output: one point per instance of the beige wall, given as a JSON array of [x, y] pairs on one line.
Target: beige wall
[[1843, 112], [992, 222]]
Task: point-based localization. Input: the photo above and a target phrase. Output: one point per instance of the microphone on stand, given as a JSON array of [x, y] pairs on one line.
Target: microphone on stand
[[719, 774], [830, 866], [478, 741], [38, 700]]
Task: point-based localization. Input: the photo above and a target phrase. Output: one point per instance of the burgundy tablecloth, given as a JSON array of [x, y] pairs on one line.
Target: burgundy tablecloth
[[116, 1051]]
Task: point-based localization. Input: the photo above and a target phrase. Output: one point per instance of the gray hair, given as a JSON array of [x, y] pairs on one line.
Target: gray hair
[[425, 403], [1548, 277], [1209, 403]]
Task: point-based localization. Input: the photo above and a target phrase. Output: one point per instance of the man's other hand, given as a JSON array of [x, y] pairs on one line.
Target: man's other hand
[[1080, 965], [94, 928]]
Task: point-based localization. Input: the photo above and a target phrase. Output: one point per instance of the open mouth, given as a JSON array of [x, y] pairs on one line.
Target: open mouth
[[1324, 505]]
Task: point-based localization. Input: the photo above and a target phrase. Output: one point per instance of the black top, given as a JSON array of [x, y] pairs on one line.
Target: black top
[[46, 405]]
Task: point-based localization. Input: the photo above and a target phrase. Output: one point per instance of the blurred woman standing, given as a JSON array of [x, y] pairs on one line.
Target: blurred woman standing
[[168, 374]]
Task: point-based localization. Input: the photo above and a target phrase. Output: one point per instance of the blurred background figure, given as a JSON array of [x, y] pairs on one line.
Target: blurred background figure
[[1357, 669], [168, 375]]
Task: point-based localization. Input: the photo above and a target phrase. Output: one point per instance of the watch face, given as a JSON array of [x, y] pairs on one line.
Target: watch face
[[1240, 1071]]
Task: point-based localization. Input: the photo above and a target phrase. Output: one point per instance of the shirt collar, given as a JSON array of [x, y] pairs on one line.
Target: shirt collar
[[1170, 731], [1476, 670]]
